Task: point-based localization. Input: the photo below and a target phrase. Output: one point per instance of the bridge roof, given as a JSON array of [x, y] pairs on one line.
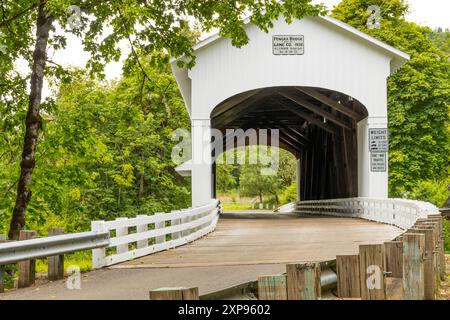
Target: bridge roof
[[398, 57]]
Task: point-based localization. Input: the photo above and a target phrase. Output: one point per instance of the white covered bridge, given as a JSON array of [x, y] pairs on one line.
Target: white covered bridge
[[322, 85]]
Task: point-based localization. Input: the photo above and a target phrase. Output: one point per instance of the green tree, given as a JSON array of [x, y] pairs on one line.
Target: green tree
[[28, 30], [418, 95]]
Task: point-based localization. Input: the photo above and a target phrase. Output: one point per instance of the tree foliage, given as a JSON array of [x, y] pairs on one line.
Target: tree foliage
[[418, 94]]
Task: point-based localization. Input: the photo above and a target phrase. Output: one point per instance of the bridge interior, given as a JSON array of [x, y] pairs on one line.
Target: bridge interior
[[318, 126]]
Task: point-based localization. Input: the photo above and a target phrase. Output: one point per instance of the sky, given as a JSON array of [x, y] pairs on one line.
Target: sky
[[432, 13]]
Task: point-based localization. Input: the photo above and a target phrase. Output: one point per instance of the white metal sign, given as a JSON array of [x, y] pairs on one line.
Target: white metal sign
[[378, 162], [288, 45], [378, 140]]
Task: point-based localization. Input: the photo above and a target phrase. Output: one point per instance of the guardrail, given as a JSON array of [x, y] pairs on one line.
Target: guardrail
[[16, 251], [399, 212], [154, 233]]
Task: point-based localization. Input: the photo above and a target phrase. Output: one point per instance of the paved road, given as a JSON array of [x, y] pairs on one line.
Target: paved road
[[241, 249]]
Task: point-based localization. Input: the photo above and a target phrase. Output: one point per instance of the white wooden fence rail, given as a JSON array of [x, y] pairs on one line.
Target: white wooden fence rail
[[399, 212], [151, 233]]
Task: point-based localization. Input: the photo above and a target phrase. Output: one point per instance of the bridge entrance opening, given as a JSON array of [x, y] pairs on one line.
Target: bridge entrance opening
[[318, 126], [327, 96]]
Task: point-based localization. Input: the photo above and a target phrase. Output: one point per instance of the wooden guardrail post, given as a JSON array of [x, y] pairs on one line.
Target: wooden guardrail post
[[272, 287], [428, 261], [439, 218], [27, 268], [174, 294], [413, 266], [348, 276], [394, 259], [303, 281], [56, 263], [372, 266]]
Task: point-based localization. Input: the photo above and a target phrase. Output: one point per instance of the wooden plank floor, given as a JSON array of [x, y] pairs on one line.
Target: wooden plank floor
[[270, 239]]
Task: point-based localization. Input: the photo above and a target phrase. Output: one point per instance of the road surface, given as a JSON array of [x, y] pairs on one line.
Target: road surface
[[242, 248]]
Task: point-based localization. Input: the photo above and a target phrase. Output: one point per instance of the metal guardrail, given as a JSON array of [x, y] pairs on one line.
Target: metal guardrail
[[12, 252], [249, 290]]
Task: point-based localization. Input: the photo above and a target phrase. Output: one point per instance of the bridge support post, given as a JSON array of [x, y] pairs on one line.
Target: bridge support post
[[56, 263], [27, 269], [202, 179], [413, 266], [303, 281], [371, 183]]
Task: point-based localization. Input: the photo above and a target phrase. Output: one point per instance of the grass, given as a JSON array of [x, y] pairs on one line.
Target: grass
[[235, 206]]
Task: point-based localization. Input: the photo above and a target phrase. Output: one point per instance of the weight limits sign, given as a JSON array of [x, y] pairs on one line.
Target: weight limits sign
[[288, 45], [378, 147]]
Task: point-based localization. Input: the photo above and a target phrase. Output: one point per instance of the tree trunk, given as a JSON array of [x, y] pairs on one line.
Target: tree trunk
[[33, 123]]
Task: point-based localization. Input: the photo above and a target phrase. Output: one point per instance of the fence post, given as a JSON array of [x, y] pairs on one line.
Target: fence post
[[120, 232], [394, 259], [142, 228], [272, 287], [413, 267], [56, 263], [99, 254], [428, 263], [439, 219], [27, 268], [303, 281], [174, 222], [372, 266], [185, 233], [174, 294], [2, 270], [160, 225], [348, 276]]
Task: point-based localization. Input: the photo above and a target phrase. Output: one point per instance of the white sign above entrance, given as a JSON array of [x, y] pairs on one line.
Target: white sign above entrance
[[288, 45]]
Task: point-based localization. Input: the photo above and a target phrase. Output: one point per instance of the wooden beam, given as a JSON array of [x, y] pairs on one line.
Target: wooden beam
[[310, 118], [331, 103], [240, 109], [233, 101], [305, 104]]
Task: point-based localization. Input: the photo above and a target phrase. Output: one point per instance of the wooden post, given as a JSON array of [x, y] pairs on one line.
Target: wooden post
[[160, 225], [174, 294], [120, 232], [142, 228], [394, 259], [272, 287], [413, 266], [27, 268], [2, 270], [56, 263], [303, 281], [372, 266], [429, 270], [348, 276], [174, 222], [98, 255]]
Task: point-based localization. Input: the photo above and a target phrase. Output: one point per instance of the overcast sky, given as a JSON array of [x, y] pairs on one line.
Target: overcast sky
[[433, 13]]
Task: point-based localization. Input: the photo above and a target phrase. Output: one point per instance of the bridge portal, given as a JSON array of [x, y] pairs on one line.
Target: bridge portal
[[320, 82]]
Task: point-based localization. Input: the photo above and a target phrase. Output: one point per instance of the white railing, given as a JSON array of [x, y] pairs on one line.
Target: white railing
[[154, 233], [399, 212]]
